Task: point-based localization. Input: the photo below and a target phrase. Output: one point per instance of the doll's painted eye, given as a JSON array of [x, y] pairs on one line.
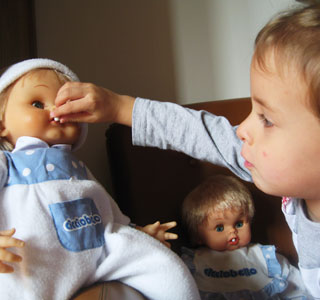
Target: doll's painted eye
[[38, 104], [219, 228], [239, 224]]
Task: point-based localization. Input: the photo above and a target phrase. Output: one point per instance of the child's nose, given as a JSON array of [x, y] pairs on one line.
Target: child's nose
[[243, 131]]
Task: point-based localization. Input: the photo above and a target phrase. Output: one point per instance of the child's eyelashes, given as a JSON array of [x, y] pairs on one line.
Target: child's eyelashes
[[38, 104], [265, 121]]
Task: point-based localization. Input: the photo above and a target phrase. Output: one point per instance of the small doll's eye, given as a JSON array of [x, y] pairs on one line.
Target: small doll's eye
[[38, 104], [219, 228], [239, 224]]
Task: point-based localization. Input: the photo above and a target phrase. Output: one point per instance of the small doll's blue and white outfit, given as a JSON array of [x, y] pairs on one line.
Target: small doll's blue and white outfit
[[252, 272], [75, 234]]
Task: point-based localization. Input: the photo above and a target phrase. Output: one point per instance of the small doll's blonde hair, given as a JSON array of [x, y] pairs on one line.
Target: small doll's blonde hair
[[4, 143], [216, 194]]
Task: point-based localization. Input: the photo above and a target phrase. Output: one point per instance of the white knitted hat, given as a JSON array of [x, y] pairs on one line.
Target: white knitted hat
[[17, 70]]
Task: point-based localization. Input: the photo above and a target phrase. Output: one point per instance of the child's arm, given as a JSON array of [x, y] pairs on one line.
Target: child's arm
[[199, 134], [7, 241], [159, 231], [86, 102], [158, 124]]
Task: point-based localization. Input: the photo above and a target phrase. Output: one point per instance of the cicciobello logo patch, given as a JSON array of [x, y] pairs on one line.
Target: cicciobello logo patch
[[78, 223]]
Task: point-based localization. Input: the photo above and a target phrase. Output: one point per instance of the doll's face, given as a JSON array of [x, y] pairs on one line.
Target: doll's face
[[225, 230], [27, 112]]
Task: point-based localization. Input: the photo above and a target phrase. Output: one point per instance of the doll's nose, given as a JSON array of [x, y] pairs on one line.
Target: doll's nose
[[50, 109], [234, 230]]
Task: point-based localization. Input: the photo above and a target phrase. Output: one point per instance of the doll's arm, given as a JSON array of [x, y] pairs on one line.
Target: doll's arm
[[7, 241], [159, 231]]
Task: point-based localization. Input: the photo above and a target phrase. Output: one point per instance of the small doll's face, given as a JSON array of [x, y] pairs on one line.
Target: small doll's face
[[225, 230], [27, 112]]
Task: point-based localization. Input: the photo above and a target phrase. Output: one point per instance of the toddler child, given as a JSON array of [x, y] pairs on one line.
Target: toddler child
[[225, 265], [69, 232], [277, 146]]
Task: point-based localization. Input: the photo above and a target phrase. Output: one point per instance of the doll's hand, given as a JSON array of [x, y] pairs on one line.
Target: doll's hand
[[159, 231], [7, 241], [88, 103]]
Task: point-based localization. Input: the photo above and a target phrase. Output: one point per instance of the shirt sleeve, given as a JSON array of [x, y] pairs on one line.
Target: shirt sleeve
[[199, 134]]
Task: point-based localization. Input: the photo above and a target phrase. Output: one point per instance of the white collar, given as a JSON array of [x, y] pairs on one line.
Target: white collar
[[29, 143]]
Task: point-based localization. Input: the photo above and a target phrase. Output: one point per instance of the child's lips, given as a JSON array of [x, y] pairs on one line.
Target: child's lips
[[234, 241], [248, 164]]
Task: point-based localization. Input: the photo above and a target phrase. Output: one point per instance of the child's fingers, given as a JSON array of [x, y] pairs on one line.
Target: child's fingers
[[81, 117], [70, 91], [71, 107]]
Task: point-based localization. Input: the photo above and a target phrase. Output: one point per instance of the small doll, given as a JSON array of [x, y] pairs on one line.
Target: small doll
[[224, 263]]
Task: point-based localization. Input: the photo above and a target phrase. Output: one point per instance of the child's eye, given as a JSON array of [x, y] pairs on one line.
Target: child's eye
[[219, 228], [38, 104], [239, 224], [265, 121]]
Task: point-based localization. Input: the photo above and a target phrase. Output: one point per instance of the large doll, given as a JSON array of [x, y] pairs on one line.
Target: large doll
[[69, 233], [224, 263]]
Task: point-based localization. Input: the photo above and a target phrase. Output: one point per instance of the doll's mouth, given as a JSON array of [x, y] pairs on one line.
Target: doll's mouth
[[234, 241], [55, 120]]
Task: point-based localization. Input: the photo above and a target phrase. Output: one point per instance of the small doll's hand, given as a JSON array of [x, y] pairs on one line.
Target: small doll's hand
[[159, 231], [7, 241], [89, 103]]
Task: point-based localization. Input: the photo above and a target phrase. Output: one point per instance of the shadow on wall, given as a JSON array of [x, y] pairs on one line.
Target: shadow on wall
[[123, 45]]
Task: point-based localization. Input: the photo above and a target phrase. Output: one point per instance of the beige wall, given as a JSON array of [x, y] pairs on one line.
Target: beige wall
[[175, 50]]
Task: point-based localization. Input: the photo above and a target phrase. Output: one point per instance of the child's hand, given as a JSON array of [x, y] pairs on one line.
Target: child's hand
[[88, 103], [7, 241], [159, 231]]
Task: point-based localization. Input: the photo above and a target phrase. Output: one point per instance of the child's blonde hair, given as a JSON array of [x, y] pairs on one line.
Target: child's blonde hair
[[217, 193], [293, 38], [4, 143]]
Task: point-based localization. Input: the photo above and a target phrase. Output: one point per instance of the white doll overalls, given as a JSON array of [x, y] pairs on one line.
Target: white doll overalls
[[75, 233]]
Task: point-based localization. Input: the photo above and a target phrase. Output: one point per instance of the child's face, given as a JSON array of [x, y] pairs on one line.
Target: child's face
[[281, 135], [27, 112], [227, 230]]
